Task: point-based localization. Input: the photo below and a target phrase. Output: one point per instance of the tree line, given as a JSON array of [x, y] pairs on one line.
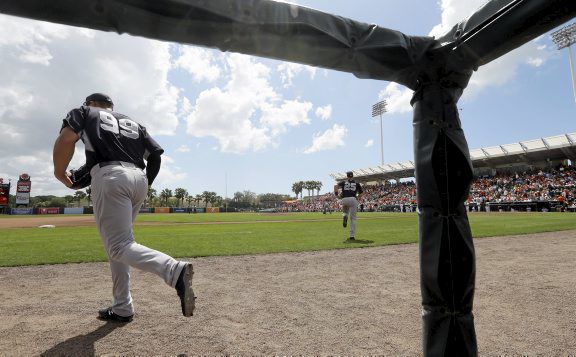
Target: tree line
[[180, 197], [311, 186]]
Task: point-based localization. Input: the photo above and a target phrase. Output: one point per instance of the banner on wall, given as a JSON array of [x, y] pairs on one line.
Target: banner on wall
[[22, 211], [4, 193], [74, 210], [23, 188], [49, 210]]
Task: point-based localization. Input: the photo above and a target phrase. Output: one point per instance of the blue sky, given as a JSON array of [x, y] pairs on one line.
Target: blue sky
[[231, 123]]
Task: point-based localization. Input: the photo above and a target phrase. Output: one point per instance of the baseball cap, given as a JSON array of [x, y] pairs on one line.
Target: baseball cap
[[349, 174], [99, 97]]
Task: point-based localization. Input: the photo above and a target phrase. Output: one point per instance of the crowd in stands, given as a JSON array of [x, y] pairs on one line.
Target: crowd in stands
[[553, 185]]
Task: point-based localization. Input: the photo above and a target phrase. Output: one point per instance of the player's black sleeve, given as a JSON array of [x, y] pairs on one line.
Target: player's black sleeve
[[153, 167], [359, 189], [151, 146], [75, 120]]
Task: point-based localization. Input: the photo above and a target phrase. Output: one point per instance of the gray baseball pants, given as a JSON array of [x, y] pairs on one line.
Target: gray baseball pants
[[350, 207], [118, 192]]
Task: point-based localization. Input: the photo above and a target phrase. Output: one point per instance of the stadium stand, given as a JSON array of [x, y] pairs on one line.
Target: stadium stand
[[533, 175]]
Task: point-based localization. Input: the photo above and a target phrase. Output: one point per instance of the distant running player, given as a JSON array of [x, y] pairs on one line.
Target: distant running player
[[348, 190]]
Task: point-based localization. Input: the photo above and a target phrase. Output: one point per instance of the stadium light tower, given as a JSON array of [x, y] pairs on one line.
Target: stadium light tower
[[565, 37], [377, 110]]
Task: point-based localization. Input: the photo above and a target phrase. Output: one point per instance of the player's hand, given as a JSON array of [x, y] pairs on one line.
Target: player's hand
[[65, 179]]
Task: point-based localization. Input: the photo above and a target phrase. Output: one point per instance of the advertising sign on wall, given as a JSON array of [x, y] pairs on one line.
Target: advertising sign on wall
[[23, 188], [21, 211], [74, 210], [49, 210], [4, 193]]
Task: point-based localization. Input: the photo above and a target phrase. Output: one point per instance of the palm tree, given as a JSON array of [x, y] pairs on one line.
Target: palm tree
[[151, 193], [165, 194], [150, 196], [309, 185], [318, 187], [216, 200], [197, 199], [89, 194], [189, 200], [297, 188], [69, 199], [79, 195], [208, 197], [180, 194]]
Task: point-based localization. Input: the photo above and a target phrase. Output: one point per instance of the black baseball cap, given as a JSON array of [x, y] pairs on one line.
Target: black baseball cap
[[349, 174], [99, 97]]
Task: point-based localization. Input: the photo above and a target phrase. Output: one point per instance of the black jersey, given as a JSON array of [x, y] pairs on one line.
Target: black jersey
[[110, 136], [350, 188]]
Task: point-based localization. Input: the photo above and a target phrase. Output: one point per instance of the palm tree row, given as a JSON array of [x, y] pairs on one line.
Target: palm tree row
[[298, 187], [166, 197]]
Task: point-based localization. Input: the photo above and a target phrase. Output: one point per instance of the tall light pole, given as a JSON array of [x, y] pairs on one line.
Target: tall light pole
[[377, 110], [565, 37]]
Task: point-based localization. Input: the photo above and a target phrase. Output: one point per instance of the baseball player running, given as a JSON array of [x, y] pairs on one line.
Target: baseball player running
[[116, 147], [349, 189]]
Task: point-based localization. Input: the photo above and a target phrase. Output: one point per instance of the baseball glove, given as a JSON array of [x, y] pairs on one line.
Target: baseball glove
[[80, 178]]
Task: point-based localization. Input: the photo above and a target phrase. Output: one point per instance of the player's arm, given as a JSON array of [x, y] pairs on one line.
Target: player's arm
[[153, 167], [63, 152], [336, 189], [151, 155]]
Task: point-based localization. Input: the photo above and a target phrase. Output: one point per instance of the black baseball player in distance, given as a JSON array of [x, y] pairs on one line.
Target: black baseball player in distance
[[116, 148], [348, 190]]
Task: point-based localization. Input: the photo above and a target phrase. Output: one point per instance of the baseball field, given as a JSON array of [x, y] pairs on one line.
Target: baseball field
[[282, 284]]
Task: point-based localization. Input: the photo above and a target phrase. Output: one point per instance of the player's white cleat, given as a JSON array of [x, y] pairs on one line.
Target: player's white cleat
[[185, 292]]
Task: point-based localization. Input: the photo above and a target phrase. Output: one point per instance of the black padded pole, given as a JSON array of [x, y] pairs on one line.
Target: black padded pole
[[447, 261]]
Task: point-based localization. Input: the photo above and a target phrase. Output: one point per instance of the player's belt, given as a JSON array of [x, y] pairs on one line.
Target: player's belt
[[117, 163]]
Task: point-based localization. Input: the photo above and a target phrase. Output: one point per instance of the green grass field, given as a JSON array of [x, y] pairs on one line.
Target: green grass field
[[180, 235]]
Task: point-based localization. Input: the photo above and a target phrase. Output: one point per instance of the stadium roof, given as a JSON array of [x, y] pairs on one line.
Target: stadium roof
[[553, 148]]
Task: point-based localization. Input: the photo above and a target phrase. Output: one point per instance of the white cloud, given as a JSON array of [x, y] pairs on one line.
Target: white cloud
[[199, 62], [219, 115], [504, 69], [397, 98], [324, 112], [290, 113], [535, 61], [230, 114], [289, 70], [496, 73], [183, 148], [329, 140], [369, 143], [48, 69], [170, 175], [454, 11]]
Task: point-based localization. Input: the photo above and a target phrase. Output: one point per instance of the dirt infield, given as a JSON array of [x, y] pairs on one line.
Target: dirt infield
[[343, 302], [57, 220]]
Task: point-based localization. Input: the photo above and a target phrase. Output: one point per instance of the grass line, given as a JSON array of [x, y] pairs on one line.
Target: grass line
[[181, 237]]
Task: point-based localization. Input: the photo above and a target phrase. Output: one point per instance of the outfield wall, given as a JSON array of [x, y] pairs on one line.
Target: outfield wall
[[90, 210]]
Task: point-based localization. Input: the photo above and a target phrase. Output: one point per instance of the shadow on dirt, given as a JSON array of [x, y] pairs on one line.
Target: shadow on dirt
[[82, 345]]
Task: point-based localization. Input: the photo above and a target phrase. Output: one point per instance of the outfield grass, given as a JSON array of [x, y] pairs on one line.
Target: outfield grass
[[182, 237]]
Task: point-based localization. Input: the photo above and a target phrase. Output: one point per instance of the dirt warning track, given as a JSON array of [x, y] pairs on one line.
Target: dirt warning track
[[344, 302]]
